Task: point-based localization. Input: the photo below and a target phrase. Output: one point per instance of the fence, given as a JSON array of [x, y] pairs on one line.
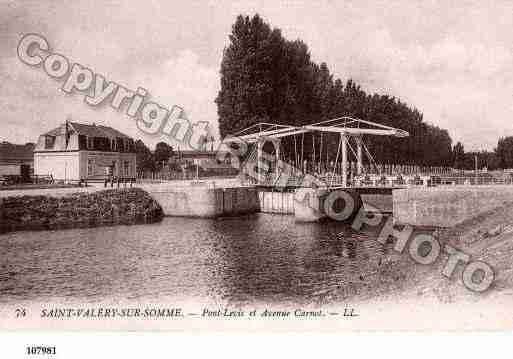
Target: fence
[[383, 175], [188, 174]]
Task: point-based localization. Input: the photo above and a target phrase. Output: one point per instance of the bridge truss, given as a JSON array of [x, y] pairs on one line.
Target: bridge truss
[[346, 127]]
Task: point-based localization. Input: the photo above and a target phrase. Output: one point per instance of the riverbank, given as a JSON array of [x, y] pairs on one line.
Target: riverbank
[[36, 186], [487, 237], [100, 208]]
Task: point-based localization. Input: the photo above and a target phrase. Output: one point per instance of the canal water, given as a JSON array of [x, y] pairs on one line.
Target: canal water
[[254, 259]]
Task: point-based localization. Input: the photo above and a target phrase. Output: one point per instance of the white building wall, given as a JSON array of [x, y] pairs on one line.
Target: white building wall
[[84, 164], [60, 165], [96, 164]]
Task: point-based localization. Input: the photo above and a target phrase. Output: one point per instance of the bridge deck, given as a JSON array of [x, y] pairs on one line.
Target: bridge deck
[[360, 190]]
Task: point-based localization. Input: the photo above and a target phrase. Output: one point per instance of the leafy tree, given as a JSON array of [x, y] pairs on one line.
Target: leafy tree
[[248, 74], [488, 159], [144, 158], [504, 152], [163, 152], [484, 159], [458, 155]]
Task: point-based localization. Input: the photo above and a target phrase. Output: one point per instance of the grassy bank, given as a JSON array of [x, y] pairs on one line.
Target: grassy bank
[[109, 207]]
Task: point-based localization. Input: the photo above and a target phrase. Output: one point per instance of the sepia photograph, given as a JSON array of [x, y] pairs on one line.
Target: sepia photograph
[[255, 166]]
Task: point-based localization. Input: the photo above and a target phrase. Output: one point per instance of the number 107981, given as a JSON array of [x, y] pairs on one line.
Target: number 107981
[[40, 350]]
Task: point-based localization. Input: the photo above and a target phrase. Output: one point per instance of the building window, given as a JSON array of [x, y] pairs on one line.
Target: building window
[[90, 167], [82, 142], [127, 168], [90, 143], [119, 144], [49, 142], [113, 144]]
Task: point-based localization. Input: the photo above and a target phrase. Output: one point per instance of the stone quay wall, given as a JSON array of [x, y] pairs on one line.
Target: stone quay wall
[[446, 206]]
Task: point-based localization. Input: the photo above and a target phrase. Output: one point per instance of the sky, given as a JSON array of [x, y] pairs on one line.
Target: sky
[[453, 61]]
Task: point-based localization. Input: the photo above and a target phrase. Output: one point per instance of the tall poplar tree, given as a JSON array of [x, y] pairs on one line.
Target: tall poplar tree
[[266, 78]]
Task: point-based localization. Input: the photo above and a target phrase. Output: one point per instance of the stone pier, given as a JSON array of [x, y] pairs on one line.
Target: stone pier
[[277, 202], [311, 204]]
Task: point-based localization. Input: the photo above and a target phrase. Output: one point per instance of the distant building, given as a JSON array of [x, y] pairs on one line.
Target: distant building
[[76, 151], [211, 162], [202, 157], [16, 160], [196, 157]]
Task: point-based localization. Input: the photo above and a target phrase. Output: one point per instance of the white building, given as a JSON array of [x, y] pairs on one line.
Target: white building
[[76, 151]]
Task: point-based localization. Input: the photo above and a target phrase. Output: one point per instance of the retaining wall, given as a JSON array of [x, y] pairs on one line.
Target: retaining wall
[[276, 202], [377, 202], [204, 202], [310, 203], [446, 206]]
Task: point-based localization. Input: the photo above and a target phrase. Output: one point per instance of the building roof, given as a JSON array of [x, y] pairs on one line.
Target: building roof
[[10, 151], [194, 153], [90, 130]]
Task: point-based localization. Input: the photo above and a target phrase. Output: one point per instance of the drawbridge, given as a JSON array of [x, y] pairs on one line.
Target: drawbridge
[[350, 132]]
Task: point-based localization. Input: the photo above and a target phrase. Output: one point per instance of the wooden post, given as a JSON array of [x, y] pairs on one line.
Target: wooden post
[[359, 155], [343, 138], [277, 147], [260, 146]]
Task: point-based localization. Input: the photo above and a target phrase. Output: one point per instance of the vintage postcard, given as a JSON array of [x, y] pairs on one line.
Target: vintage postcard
[[251, 166]]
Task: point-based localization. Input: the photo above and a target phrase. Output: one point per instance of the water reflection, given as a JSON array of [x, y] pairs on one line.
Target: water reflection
[[262, 258]]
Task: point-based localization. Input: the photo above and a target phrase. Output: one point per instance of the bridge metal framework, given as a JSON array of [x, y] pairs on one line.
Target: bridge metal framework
[[347, 127]]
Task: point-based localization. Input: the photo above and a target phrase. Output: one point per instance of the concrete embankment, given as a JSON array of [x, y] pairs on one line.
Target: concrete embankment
[[377, 203], [203, 201], [79, 209], [282, 202], [306, 204], [220, 197], [311, 204], [276, 202], [446, 206]]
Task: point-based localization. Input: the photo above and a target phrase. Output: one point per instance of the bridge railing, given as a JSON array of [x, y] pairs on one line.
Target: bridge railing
[[296, 179], [476, 180]]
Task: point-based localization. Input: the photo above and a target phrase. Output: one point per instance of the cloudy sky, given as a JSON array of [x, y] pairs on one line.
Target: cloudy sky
[[453, 62]]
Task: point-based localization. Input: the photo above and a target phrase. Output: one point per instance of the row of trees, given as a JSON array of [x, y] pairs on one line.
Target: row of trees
[[500, 158], [266, 78]]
